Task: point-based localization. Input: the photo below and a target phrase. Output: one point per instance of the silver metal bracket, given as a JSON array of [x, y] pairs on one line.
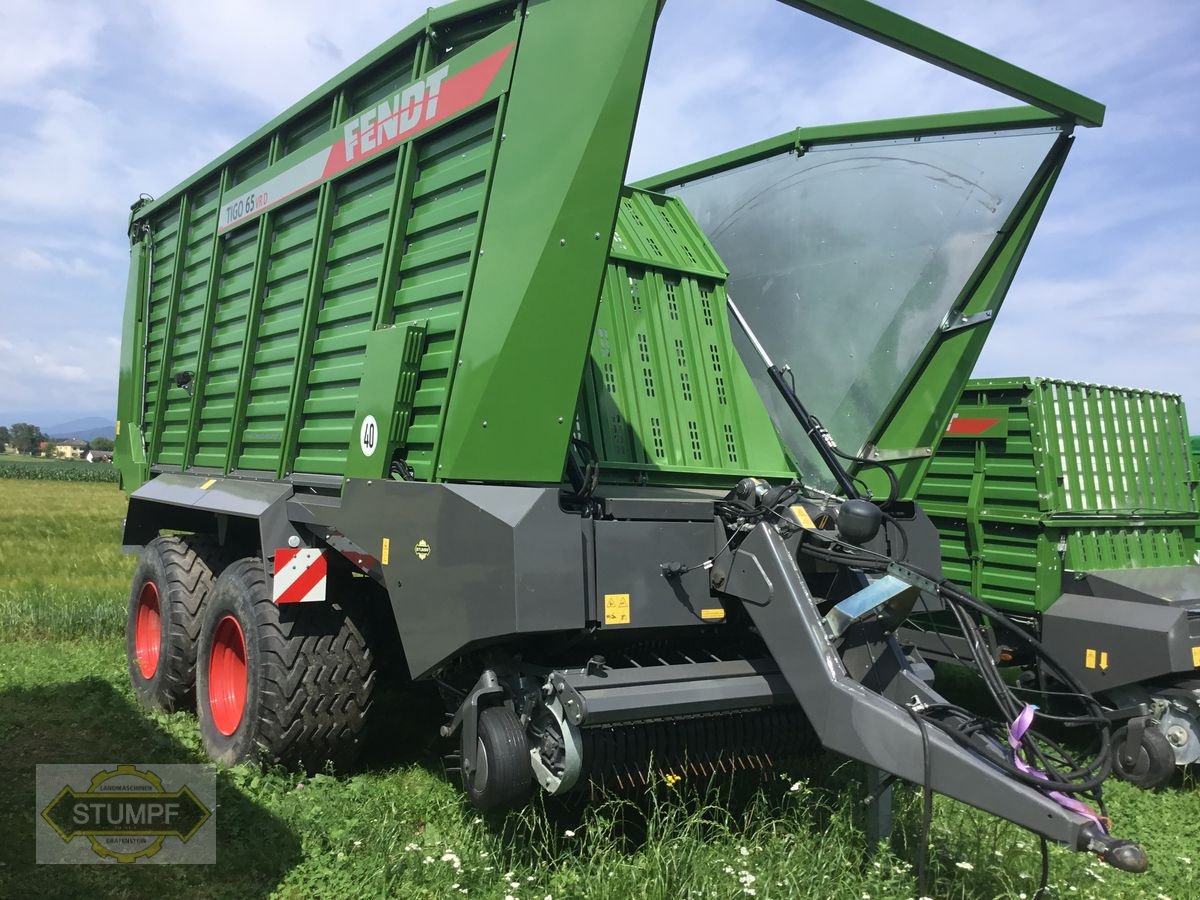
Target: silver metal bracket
[[548, 780], [894, 593], [955, 322], [870, 451]]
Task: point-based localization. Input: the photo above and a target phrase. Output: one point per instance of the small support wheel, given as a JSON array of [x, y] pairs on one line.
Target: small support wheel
[[501, 777], [1149, 763]]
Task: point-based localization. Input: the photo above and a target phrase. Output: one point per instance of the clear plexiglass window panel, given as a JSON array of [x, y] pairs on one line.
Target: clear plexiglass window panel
[[846, 260]]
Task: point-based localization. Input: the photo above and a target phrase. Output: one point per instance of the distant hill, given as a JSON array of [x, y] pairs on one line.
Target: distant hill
[[85, 429]]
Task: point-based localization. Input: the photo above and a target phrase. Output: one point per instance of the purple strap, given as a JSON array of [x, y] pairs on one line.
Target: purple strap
[[1016, 733]]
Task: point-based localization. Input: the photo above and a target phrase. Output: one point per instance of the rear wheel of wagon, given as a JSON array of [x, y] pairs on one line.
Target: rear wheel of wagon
[[289, 684], [170, 584]]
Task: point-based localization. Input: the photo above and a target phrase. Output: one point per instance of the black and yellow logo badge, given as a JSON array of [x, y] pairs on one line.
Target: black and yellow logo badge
[[126, 814], [422, 549]]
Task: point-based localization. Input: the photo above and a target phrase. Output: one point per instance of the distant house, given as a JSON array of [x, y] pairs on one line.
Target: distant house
[[70, 449], [99, 456]]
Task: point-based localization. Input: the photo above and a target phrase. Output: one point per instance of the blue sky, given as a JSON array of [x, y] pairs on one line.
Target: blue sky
[[101, 101]]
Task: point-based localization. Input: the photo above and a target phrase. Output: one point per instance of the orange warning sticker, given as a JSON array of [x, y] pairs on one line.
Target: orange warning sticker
[[616, 609], [803, 517]]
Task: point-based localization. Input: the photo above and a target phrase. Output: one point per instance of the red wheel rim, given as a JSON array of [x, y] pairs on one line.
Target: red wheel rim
[[147, 628], [227, 676]]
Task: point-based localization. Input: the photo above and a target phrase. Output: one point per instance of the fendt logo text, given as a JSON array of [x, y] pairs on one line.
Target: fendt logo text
[[385, 122]]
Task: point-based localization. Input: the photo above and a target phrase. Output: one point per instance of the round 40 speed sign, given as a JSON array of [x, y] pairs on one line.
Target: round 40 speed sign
[[368, 435]]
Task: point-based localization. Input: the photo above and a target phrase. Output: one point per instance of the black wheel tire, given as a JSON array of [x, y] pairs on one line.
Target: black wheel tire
[[502, 778], [174, 576], [1153, 766], [309, 676]]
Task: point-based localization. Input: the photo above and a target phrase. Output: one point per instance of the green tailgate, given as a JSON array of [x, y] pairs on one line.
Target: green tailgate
[[1038, 478]]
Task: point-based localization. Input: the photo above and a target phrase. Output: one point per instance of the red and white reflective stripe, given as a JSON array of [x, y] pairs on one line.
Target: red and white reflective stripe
[[300, 575]]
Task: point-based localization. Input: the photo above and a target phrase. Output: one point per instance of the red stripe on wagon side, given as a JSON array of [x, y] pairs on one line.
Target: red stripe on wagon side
[[959, 425]]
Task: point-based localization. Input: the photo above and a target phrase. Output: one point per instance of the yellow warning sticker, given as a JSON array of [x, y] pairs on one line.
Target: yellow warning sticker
[[616, 609], [208, 484], [717, 613], [386, 551], [1103, 660], [118, 427], [422, 549], [1196, 657], [803, 517], [1089, 659]]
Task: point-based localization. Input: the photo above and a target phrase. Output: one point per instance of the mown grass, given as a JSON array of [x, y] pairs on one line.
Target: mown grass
[[399, 828]]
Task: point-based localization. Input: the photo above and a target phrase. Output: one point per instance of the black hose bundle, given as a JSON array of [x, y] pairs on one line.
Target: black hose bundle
[[1063, 772], [1048, 766]]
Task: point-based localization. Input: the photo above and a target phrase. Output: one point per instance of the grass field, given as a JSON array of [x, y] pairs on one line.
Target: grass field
[[36, 468], [399, 828]]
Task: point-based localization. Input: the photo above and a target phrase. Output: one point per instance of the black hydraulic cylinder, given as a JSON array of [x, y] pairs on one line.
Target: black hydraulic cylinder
[[816, 433]]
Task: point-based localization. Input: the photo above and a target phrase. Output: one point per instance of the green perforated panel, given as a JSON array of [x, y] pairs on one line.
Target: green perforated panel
[[665, 396]]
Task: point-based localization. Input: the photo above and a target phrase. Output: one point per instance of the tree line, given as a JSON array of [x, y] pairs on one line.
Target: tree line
[[27, 438]]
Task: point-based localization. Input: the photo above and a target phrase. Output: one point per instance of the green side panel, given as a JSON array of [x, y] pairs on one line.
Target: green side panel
[[230, 318], [345, 310], [129, 455], [1015, 567], [1137, 545], [666, 397], [1196, 478], [164, 241], [1069, 487], [982, 492], [991, 475], [568, 127], [273, 363], [441, 239], [183, 352]]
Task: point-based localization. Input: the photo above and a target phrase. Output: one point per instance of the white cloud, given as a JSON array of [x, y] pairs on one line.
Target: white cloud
[[270, 51], [1128, 323], [72, 371], [40, 39], [28, 259]]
